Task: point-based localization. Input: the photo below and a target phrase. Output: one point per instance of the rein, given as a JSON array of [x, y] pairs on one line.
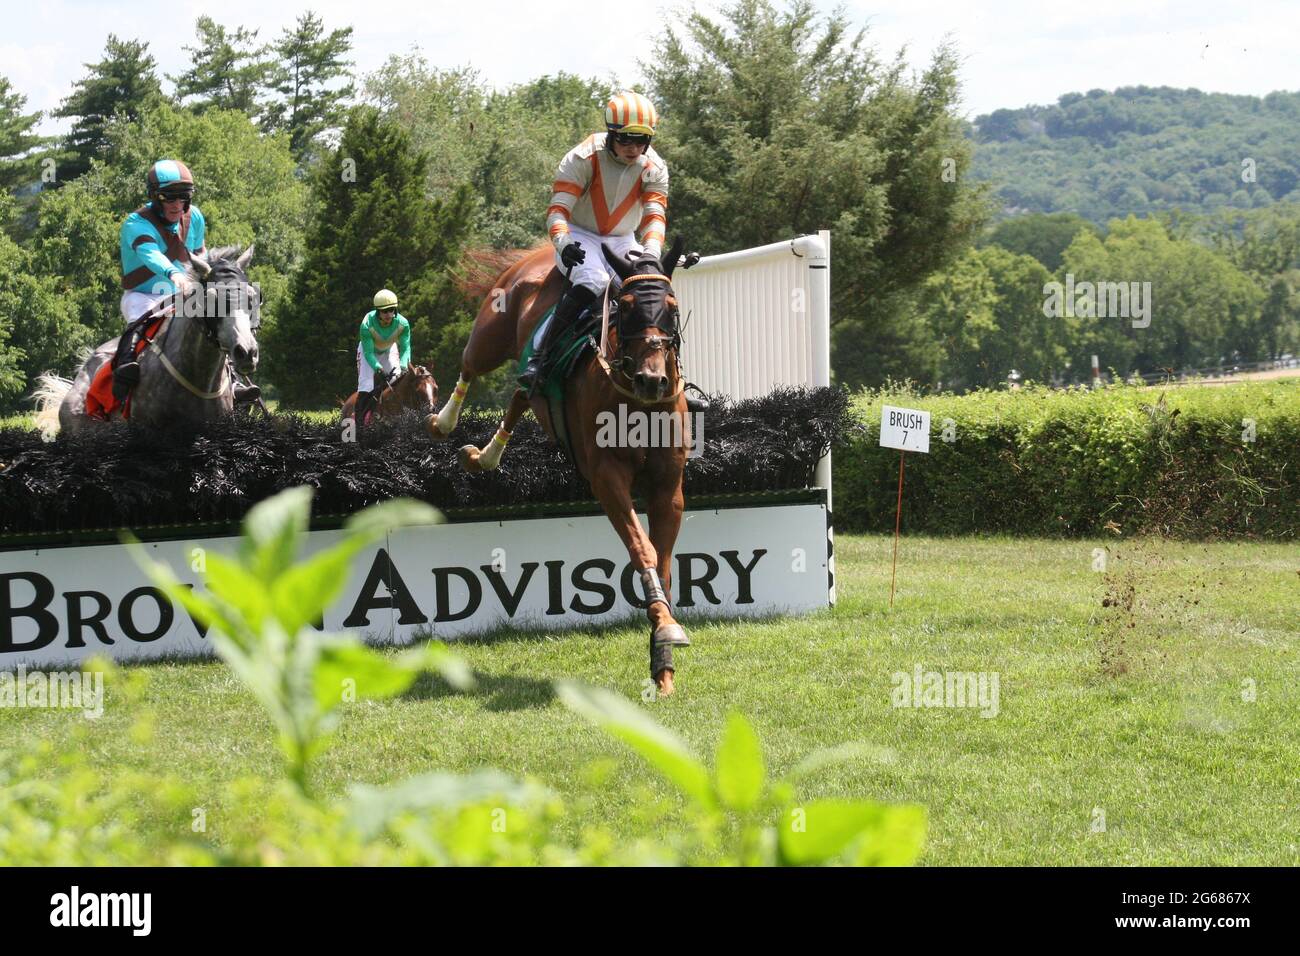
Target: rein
[[176, 373], [610, 372]]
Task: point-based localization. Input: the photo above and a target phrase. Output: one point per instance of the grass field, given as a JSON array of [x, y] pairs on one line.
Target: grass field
[[1141, 714]]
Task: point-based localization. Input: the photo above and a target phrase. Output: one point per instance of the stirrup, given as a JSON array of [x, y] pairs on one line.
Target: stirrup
[[246, 394]]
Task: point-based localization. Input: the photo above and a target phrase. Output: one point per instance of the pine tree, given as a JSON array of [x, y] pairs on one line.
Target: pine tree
[[228, 71], [307, 62], [375, 229], [123, 82], [17, 141], [779, 121]]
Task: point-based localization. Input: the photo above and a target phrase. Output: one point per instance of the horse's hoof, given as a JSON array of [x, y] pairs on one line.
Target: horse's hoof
[[431, 426], [664, 684], [673, 634], [469, 456]]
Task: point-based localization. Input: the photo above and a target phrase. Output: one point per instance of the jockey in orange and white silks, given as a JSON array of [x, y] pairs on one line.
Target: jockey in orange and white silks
[[608, 188]]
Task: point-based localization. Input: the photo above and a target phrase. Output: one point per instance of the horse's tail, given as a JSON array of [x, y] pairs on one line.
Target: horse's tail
[[480, 268], [50, 392]]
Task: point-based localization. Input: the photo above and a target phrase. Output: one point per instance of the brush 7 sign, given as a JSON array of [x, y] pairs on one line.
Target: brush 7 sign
[[906, 429]]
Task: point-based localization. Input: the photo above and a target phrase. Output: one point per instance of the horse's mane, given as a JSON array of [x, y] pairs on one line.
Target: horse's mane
[[477, 273], [222, 259]]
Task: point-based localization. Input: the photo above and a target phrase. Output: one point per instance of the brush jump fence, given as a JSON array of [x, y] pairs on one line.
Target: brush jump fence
[[757, 340]]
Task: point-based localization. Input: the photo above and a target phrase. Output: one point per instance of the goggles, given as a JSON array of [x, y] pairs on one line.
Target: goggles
[[631, 139]]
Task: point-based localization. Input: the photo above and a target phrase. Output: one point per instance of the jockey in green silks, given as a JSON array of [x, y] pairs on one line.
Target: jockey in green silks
[[384, 350]]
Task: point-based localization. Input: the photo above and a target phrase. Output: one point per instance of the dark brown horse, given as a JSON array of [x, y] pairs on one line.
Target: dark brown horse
[[640, 370], [415, 389]]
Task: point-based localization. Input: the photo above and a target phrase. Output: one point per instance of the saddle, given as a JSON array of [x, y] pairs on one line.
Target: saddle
[[100, 400]]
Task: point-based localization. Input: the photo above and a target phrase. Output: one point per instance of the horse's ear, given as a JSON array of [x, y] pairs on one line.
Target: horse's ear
[[201, 266], [674, 253], [620, 265], [243, 261]]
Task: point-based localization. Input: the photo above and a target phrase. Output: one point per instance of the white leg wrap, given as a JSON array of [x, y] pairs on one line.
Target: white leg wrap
[[654, 589], [491, 455], [450, 414]]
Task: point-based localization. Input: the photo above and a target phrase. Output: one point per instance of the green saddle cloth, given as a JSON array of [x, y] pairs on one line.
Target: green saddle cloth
[[566, 351]]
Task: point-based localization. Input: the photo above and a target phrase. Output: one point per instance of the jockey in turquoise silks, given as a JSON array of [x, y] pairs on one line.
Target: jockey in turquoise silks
[[157, 241], [384, 350]]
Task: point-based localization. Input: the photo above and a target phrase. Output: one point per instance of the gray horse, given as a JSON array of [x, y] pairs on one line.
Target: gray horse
[[184, 374]]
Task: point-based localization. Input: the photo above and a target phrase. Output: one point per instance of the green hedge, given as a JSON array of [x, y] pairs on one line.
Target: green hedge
[[1036, 461]]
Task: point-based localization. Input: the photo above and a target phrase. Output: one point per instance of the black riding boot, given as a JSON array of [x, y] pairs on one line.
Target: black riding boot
[[126, 370], [244, 391], [697, 402], [365, 403], [572, 302]]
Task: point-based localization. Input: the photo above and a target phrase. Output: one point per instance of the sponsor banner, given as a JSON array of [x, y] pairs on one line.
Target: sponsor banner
[[60, 605]]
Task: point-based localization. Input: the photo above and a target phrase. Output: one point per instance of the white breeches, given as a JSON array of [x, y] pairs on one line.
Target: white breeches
[[594, 272], [366, 375], [136, 304]]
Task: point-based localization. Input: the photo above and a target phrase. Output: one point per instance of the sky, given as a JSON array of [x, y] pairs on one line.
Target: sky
[[1013, 53]]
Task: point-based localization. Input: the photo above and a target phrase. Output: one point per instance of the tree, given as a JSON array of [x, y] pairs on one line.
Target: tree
[[1043, 236], [986, 310], [32, 309], [307, 63], [1202, 308], [375, 228], [13, 268], [228, 70], [506, 144], [777, 123], [123, 83], [1142, 150], [1265, 244], [17, 141]]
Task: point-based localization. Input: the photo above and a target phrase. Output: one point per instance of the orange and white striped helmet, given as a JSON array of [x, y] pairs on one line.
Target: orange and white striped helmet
[[629, 112]]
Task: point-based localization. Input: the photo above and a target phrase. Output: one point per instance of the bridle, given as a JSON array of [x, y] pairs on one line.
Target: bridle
[[623, 364], [210, 329], [416, 378]]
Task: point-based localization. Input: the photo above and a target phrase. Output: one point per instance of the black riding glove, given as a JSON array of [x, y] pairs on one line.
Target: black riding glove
[[572, 254]]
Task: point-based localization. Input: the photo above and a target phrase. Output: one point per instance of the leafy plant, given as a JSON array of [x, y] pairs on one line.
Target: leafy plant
[[759, 819], [261, 607]]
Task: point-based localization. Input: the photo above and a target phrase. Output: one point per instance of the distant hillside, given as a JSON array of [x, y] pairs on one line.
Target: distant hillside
[[1141, 150]]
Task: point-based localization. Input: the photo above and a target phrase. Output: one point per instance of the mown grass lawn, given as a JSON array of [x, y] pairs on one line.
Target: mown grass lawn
[[1168, 747]]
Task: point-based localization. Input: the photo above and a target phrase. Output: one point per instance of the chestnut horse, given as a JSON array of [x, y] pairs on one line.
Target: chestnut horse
[[640, 369], [416, 389]]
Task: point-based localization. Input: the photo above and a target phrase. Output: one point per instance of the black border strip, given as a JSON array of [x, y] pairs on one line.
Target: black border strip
[[27, 541]]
